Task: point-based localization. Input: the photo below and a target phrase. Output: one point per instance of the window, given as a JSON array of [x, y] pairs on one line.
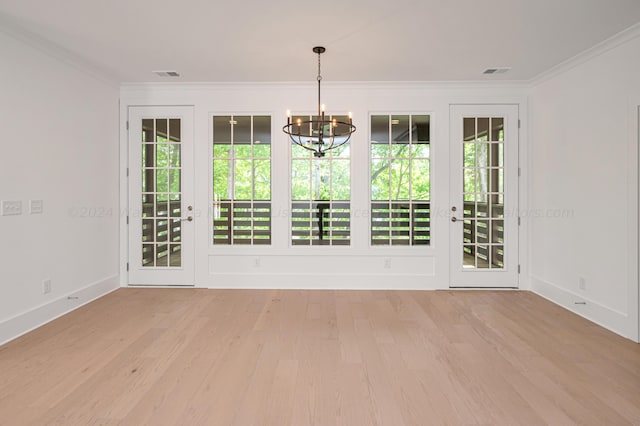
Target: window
[[400, 180], [483, 180], [320, 195], [241, 179], [161, 192]]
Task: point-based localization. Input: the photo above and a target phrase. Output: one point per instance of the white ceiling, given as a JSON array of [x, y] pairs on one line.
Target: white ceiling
[[366, 40]]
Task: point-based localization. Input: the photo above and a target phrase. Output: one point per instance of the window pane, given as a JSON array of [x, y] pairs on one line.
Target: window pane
[[400, 128], [222, 129], [174, 155], [262, 151], [400, 177], [420, 128], [174, 130], [162, 155], [420, 150], [469, 155], [420, 179], [483, 129], [262, 179], [243, 180], [343, 151], [242, 151], [380, 151], [400, 150], [262, 129], [147, 130], [241, 125], [221, 180], [379, 129], [469, 127], [341, 184], [221, 151], [174, 180], [497, 129], [162, 180], [161, 130], [379, 180], [300, 180], [299, 152], [321, 183]]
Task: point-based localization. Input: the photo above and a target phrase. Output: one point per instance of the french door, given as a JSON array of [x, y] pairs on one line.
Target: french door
[[161, 228], [484, 196]]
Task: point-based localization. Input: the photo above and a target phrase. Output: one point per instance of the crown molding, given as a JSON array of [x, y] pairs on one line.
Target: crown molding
[[9, 27], [599, 49]]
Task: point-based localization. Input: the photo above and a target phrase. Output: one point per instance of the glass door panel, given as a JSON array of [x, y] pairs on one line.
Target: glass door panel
[[484, 185]]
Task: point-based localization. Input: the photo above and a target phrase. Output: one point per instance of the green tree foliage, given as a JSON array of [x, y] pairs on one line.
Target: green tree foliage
[[242, 172], [400, 172]]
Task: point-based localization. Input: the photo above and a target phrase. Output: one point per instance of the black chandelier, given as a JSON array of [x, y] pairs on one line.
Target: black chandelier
[[319, 134]]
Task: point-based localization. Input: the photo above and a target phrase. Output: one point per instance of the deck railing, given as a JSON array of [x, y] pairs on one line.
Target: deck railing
[[484, 232]]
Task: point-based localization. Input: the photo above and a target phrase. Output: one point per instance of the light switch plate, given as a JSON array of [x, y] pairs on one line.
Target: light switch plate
[[11, 208], [35, 206]]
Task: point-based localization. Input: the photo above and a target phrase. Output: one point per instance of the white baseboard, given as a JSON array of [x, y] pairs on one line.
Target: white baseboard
[[23, 323], [618, 322]]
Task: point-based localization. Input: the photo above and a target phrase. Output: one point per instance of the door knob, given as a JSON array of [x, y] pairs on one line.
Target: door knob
[[187, 219], [454, 219]]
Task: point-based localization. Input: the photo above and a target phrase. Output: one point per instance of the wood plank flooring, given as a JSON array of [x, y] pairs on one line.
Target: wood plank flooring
[[270, 357]]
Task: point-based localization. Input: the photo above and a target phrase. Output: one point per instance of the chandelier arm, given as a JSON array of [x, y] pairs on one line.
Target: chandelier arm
[[341, 143], [299, 142]]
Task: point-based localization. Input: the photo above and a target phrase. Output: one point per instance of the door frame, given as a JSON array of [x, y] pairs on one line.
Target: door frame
[[486, 278], [183, 276]]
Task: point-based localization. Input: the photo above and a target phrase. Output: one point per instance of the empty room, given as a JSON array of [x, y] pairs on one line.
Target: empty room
[[336, 213]]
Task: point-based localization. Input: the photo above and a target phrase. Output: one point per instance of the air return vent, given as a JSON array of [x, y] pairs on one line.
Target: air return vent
[[501, 70], [167, 73]]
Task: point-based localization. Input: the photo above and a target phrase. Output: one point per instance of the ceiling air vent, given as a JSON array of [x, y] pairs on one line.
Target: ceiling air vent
[[166, 73], [501, 70]]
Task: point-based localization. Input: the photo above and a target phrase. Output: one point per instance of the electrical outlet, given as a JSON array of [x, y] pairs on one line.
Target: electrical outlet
[[46, 286], [35, 206], [11, 208], [387, 264], [582, 283]]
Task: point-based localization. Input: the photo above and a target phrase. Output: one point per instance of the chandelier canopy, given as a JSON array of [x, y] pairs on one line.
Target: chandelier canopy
[[320, 133]]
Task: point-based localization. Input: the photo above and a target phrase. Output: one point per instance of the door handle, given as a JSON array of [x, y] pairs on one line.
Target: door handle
[[188, 218]]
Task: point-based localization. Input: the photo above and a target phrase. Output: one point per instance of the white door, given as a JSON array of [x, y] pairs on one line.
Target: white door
[[484, 196], [161, 196]]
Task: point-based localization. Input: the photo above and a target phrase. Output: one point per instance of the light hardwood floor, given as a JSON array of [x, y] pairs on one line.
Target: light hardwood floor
[[268, 357]]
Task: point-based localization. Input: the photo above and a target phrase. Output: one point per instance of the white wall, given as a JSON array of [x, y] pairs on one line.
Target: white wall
[[283, 266], [583, 164], [59, 144]]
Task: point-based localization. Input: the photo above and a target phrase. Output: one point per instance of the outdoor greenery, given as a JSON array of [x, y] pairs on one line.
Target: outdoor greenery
[[242, 172], [400, 172]]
